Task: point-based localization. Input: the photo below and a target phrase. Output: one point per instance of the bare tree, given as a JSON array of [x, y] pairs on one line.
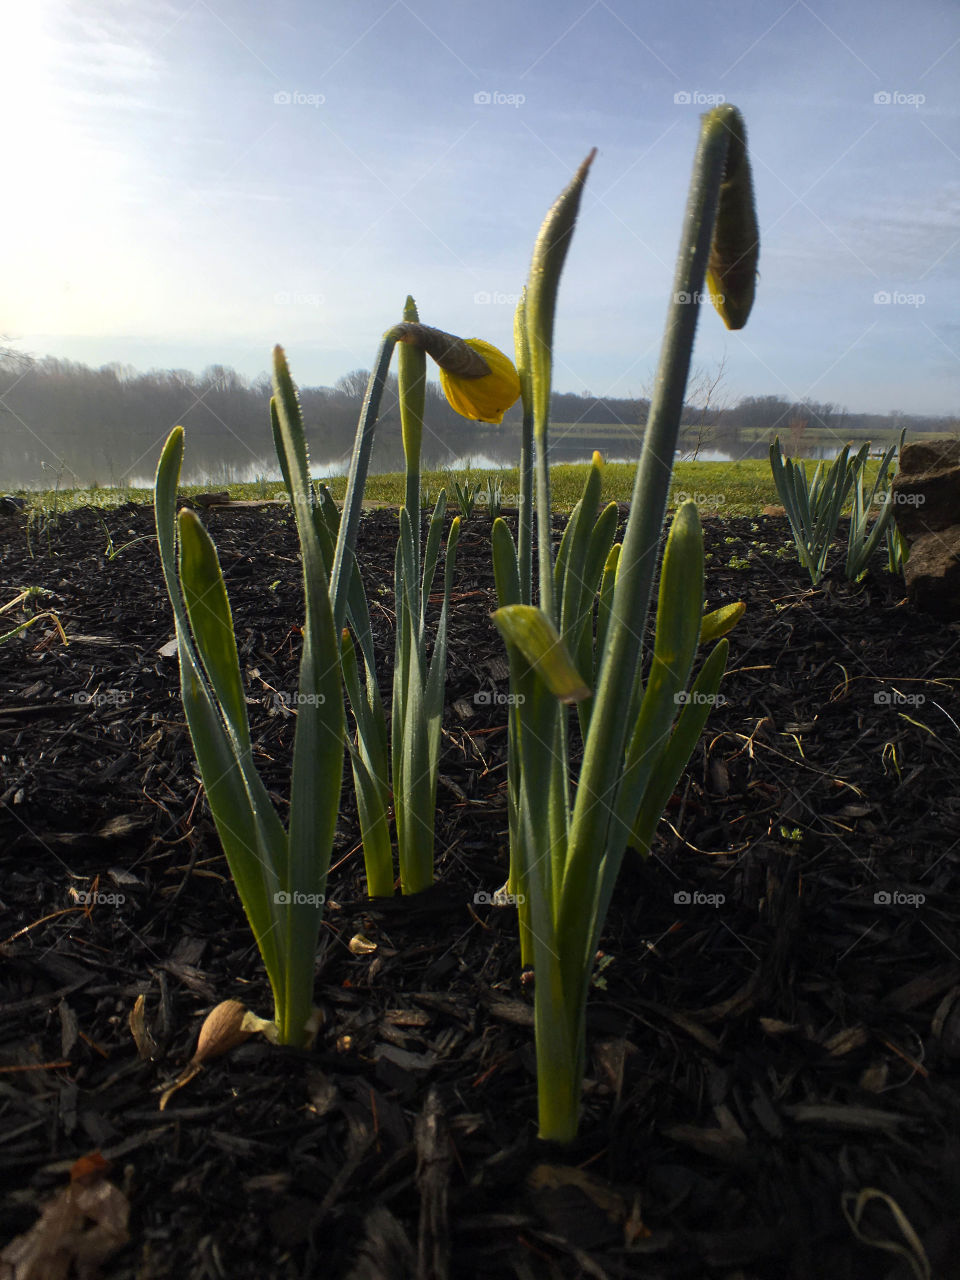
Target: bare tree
[[705, 394]]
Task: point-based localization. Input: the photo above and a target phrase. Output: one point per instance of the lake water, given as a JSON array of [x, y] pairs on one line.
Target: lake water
[[491, 460]]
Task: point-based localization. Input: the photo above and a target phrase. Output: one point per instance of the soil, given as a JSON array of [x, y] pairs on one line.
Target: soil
[[774, 1026]]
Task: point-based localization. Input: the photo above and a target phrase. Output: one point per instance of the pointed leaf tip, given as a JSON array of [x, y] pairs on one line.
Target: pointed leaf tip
[[721, 621], [538, 640]]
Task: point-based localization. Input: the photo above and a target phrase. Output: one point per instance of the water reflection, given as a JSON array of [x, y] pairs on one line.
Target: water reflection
[[497, 453]]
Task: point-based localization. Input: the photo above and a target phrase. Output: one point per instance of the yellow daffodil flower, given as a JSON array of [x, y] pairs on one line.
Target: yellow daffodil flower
[[486, 398]]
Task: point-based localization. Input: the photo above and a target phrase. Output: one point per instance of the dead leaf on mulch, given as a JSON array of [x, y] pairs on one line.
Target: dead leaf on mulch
[[78, 1230]]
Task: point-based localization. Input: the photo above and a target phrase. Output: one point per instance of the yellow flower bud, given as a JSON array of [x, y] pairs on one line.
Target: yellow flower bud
[[486, 398], [732, 269]]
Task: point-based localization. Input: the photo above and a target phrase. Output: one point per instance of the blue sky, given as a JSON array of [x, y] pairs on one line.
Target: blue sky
[[196, 181]]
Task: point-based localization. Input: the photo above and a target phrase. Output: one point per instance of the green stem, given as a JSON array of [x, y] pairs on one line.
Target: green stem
[[356, 482], [525, 518], [603, 752], [544, 526], [412, 370], [592, 838]]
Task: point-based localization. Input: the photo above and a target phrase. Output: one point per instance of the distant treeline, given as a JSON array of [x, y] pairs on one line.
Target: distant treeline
[[106, 426]]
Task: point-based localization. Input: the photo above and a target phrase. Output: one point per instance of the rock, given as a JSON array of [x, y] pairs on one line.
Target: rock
[[926, 488], [10, 505], [932, 573], [205, 500], [926, 497]]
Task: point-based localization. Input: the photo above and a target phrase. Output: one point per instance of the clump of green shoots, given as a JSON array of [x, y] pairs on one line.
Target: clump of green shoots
[[581, 644]]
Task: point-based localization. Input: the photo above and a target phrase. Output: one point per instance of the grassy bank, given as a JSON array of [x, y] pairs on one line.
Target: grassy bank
[[721, 488]]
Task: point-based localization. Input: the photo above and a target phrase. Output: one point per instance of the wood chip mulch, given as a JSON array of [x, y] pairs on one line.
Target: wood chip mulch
[[774, 1026]]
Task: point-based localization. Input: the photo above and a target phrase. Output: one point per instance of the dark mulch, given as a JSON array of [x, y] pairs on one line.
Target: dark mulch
[[775, 1023]]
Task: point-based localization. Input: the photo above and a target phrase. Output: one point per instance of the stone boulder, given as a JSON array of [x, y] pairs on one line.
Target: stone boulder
[[926, 497]]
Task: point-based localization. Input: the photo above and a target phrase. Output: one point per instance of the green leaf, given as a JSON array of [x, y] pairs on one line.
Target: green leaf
[[575, 593], [319, 738], [371, 778], [252, 836], [674, 758], [438, 662], [506, 567], [431, 555], [538, 640], [549, 254], [208, 609], [412, 374], [594, 570], [679, 615], [721, 621]]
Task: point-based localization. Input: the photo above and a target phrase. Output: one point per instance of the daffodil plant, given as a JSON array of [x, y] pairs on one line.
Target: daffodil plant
[[280, 873], [583, 639], [862, 537], [480, 382], [813, 505]]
